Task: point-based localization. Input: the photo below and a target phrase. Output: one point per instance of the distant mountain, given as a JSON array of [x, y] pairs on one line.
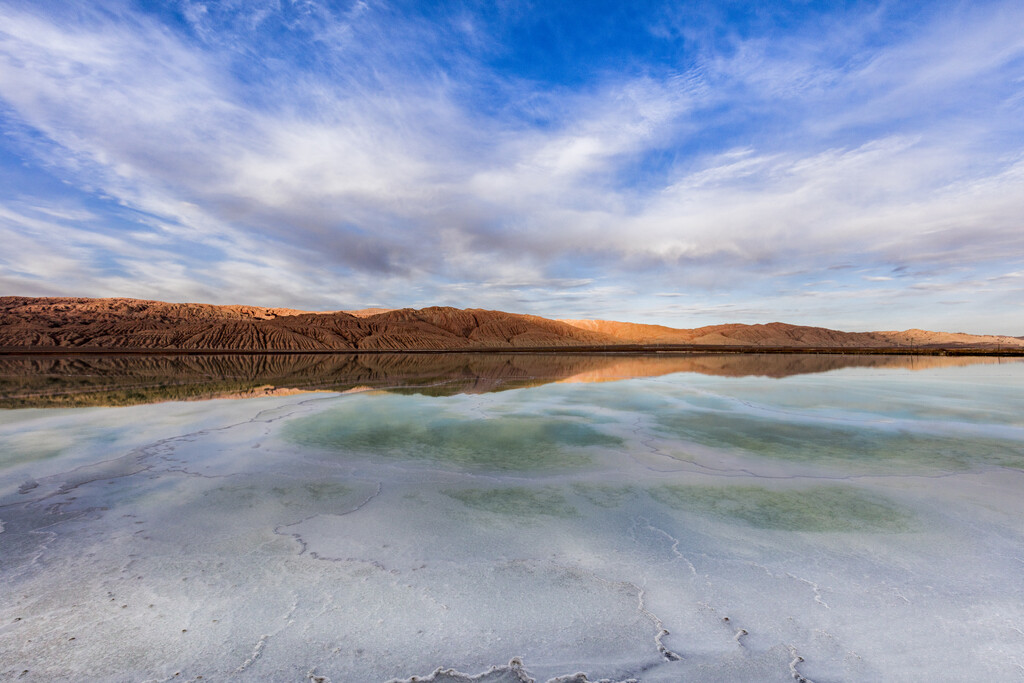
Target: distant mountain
[[926, 338], [137, 325], [791, 336]]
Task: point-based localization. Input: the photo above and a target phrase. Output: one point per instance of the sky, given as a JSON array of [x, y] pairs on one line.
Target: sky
[[854, 165]]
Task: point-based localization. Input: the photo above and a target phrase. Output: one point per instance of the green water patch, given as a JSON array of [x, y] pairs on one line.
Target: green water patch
[[413, 428], [21, 451], [816, 509], [518, 502], [33, 445], [873, 445]]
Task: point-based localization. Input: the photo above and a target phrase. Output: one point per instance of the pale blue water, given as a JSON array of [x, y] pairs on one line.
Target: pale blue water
[[858, 524]]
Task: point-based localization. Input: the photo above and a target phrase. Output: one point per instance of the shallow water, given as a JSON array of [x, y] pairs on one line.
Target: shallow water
[[861, 523]]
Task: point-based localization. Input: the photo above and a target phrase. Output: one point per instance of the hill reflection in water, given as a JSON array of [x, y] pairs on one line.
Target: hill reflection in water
[[81, 381]]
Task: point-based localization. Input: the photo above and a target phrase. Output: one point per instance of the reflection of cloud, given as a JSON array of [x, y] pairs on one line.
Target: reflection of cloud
[[413, 170]]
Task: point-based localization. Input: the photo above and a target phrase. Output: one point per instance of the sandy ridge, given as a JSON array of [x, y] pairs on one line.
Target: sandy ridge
[[783, 334], [137, 324]]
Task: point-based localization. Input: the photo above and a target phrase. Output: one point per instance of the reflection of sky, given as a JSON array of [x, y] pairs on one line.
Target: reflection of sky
[[856, 168]]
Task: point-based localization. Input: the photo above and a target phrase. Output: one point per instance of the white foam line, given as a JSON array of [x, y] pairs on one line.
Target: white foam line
[[314, 677], [256, 652], [815, 588], [163, 680], [797, 659], [675, 544], [514, 667], [667, 654]]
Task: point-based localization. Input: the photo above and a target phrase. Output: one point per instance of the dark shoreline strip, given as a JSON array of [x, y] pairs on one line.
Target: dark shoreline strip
[[633, 349]]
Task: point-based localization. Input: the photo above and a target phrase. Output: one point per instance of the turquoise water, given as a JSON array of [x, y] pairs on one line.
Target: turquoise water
[[857, 524]]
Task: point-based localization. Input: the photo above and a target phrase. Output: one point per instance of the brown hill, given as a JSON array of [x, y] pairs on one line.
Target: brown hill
[[367, 312], [790, 336], [134, 324], [130, 324], [771, 334], [635, 333], [953, 339]]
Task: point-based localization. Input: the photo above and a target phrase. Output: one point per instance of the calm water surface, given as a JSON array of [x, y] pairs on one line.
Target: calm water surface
[[512, 518]]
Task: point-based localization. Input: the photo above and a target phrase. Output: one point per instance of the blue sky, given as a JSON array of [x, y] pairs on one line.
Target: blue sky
[[846, 164]]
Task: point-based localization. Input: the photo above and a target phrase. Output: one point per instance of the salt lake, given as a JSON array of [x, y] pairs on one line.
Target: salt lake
[[512, 518]]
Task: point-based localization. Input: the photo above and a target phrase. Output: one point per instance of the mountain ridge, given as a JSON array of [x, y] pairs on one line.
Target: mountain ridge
[[785, 334], [70, 323], [139, 324]]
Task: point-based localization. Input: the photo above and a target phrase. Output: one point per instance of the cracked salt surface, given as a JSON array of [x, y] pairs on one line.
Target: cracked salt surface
[[579, 532]]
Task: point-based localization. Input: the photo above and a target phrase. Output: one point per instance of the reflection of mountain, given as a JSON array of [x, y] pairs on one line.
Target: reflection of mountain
[[765, 364], [48, 381]]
